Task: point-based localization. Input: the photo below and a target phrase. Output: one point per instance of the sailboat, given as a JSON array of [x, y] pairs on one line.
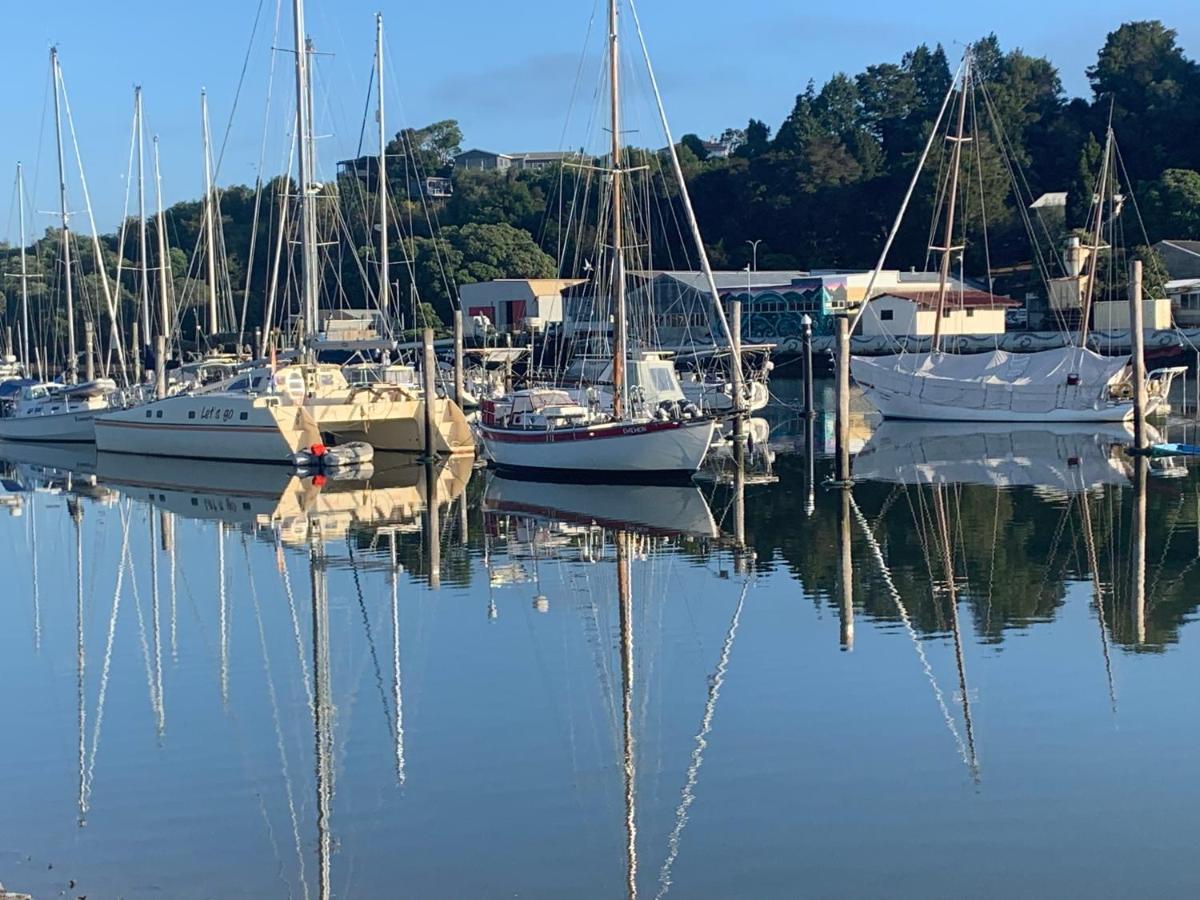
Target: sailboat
[[268, 413], [58, 412], [650, 432], [1065, 384]]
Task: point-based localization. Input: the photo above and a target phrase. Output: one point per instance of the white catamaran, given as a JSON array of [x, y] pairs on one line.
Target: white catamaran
[[267, 414]]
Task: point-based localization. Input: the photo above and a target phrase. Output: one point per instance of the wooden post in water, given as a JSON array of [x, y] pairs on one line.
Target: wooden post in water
[[1137, 580], [1137, 339], [847, 580], [842, 424], [810, 465], [458, 356], [89, 349], [160, 367], [433, 526], [739, 403], [806, 334], [135, 360], [739, 503], [427, 369]]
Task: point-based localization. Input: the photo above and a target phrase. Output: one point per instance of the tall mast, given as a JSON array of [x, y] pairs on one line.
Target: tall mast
[[1093, 259], [308, 223], [25, 361], [164, 261], [620, 329], [147, 336], [625, 614], [209, 229], [948, 247], [72, 364], [384, 286]]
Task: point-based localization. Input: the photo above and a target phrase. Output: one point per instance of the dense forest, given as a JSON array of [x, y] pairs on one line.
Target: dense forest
[[818, 190]]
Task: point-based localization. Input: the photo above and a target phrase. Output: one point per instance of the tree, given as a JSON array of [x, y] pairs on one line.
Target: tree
[[1172, 205], [696, 145]]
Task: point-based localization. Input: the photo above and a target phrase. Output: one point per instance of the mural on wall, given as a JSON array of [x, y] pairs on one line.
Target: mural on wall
[[775, 315]]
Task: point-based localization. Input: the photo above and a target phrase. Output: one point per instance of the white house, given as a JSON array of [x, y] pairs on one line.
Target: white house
[[514, 304], [899, 313]]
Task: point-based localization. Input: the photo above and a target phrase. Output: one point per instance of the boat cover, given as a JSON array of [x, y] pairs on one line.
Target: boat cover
[[1025, 382]]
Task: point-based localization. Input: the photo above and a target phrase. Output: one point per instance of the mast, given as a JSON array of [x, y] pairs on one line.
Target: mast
[[384, 286], [620, 329], [209, 229], [25, 361], [626, 625], [1093, 259], [72, 363], [147, 335], [308, 223], [948, 242], [164, 261]]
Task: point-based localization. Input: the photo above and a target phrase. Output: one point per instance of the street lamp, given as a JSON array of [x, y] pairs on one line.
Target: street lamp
[[754, 250]]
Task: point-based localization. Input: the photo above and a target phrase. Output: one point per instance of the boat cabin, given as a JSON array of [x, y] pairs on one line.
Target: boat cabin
[[535, 408]]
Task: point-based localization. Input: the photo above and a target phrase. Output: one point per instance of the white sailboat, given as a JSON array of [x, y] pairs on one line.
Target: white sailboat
[[545, 432], [52, 411], [1065, 384]]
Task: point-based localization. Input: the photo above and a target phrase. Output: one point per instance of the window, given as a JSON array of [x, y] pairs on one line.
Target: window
[[887, 315], [970, 312], [945, 313], [244, 416], [191, 414]]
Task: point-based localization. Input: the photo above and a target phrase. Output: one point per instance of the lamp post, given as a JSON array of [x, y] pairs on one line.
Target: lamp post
[[754, 253]]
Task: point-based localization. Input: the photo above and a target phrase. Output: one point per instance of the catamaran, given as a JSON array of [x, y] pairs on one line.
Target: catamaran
[[267, 414]]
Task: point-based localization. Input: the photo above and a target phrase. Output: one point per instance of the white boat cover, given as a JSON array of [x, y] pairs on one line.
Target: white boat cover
[[999, 380]]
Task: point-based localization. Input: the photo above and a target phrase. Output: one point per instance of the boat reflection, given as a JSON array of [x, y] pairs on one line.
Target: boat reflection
[[656, 510], [1068, 458], [394, 495]]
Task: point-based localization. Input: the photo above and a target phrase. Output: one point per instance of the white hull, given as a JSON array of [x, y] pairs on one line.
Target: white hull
[[76, 427], [630, 449], [902, 406]]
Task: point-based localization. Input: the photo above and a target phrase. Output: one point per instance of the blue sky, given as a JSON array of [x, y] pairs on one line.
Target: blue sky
[[505, 72]]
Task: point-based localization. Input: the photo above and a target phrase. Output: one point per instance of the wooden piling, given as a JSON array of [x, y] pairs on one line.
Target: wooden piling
[[160, 367], [1137, 339], [89, 350], [458, 357], [846, 615], [806, 335], [739, 402], [427, 373], [842, 424]]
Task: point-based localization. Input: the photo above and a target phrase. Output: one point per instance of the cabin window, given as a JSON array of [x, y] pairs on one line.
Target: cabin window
[[240, 385], [244, 416], [158, 414], [148, 414], [970, 312], [191, 414], [945, 313], [887, 314], [662, 380]]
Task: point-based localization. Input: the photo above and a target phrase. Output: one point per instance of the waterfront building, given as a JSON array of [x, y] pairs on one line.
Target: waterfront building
[[511, 305]]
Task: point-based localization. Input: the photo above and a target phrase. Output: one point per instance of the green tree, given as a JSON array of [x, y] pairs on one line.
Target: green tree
[[1172, 205]]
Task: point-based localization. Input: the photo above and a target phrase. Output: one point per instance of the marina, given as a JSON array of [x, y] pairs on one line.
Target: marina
[[395, 507]]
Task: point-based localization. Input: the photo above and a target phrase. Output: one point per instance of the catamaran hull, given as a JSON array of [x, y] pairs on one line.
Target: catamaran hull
[[900, 406], [55, 428], [649, 450], [207, 427]]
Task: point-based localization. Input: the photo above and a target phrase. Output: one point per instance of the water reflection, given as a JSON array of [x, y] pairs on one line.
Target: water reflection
[[661, 689]]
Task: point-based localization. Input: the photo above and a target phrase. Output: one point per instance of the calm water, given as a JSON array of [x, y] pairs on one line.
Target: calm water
[[226, 681]]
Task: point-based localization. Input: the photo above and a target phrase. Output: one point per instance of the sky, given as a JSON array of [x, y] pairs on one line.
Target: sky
[[506, 72]]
